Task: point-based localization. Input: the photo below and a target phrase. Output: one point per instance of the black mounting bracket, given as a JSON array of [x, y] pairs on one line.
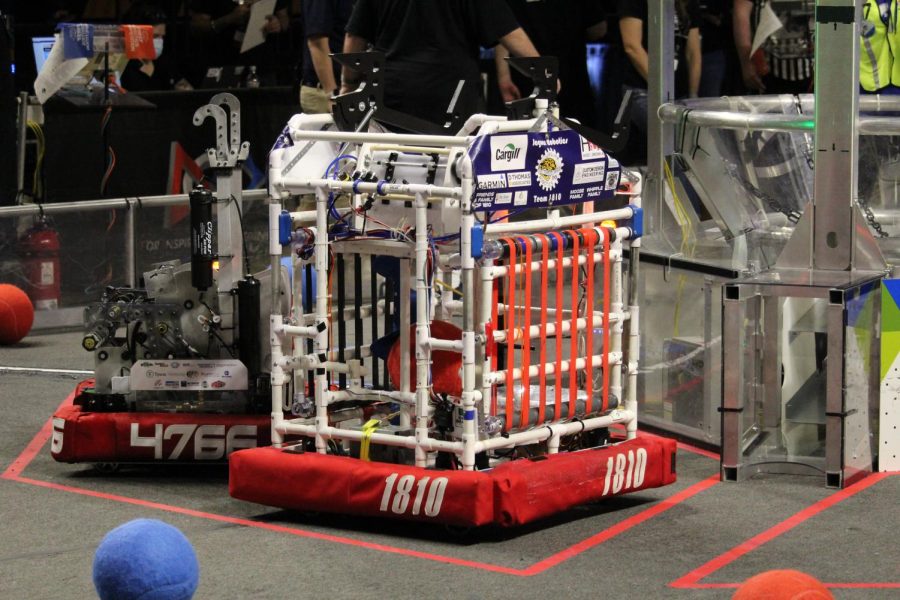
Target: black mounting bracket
[[351, 109], [544, 72], [615, 142]]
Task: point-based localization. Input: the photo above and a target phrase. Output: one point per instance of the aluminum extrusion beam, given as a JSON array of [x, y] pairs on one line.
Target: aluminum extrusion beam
[[836, 140], [725, 119], [660, 90]]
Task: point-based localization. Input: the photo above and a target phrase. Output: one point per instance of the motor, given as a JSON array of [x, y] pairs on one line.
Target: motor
[[39, 250]]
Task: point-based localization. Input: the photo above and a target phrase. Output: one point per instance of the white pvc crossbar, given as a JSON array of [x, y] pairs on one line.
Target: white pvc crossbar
[[291, 360]]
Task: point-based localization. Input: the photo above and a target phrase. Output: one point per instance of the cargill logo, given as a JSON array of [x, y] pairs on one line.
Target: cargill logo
[[508, 152]]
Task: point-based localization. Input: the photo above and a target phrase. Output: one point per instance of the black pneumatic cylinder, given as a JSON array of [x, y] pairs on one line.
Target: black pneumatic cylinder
[[201, 238], [248, 323]]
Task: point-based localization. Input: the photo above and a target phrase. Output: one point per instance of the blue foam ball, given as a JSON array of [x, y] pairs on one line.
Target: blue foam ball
[[145, 559]]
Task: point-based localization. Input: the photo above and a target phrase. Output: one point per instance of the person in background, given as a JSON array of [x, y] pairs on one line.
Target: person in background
[[714, 32], [430, 47], [149, 75], [219, 26], [224, 17], [48, 11], [105, 10], [559, 28], [783, 64], [876, 56], [633, 20], [613, 69], [323, 27]]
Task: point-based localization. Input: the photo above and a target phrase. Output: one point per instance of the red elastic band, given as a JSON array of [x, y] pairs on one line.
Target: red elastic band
[[525, 407], [590, 238], [510, 331], [573, 330], [559, 307], [542, 340]]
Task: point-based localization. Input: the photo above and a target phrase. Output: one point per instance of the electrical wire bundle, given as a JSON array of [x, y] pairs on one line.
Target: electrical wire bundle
[[110, 153], [688, 242], [37, 186], [341, 230]]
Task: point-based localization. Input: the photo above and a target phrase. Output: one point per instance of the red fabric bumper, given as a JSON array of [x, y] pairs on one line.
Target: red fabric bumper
[[511, 494], [80, 436]]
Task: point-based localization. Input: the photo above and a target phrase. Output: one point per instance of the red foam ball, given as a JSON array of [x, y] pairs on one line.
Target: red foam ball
[[445, 365], [782, 584], [16, 314]]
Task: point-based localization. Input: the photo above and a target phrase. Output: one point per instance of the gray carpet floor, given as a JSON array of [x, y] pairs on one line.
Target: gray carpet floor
[[50, 531]]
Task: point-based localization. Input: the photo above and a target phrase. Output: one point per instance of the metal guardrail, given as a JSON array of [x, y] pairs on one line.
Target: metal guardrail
[[23, 210], [71, 316], [718, 113]]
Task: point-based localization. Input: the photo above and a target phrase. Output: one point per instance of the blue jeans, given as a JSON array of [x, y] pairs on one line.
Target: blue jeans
[[712, 74], [636, 149], [638, 107]]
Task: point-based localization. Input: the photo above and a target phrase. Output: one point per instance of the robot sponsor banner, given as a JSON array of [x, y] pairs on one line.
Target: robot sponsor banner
[[188, 375], [540, 170]]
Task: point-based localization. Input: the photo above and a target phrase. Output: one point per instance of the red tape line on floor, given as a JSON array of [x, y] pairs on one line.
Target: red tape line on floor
[[17, 467], [692, 579]]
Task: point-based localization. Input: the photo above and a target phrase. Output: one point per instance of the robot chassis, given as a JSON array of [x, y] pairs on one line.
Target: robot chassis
[[469, 441], [178, 373], [454, 432]]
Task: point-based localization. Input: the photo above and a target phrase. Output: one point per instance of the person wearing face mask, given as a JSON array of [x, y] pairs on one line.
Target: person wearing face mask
[[150, 75]]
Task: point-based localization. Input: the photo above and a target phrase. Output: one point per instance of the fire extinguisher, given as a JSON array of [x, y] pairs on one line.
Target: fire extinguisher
[[39, 250]]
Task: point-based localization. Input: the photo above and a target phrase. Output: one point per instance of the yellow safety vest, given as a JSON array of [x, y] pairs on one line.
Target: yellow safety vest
[[876, 65]]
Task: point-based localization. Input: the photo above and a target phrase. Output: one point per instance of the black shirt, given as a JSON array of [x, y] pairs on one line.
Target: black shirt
[[222, 46], [638, 10], [790, 50], [715, 37], [324, 17], [557, 28], [135, 80], [430, 45]]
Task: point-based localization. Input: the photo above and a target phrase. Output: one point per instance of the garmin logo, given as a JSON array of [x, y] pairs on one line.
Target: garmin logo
[[491, 181], [508, 152]]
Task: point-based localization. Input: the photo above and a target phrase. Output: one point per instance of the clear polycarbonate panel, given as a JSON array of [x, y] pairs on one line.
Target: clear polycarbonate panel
[[679, 377]]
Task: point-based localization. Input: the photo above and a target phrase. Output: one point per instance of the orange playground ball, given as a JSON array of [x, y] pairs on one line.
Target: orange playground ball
[[782, 584], [16, 314], [445, 365]]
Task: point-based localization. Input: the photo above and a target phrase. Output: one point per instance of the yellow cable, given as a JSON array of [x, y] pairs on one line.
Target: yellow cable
[[448, 287], [42, 146], [367, 430], [685, 221], [687, 247]]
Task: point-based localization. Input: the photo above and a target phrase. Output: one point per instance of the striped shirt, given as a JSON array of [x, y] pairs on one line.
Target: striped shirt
[[789, 50]]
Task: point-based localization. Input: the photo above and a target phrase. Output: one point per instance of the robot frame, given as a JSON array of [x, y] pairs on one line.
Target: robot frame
[[489, 258], [177, 363]]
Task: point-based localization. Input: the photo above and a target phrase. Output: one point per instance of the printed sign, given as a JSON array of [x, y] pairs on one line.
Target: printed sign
[[508, 152], [78, 40], [139, 42], [539, 170], [188, 375]]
